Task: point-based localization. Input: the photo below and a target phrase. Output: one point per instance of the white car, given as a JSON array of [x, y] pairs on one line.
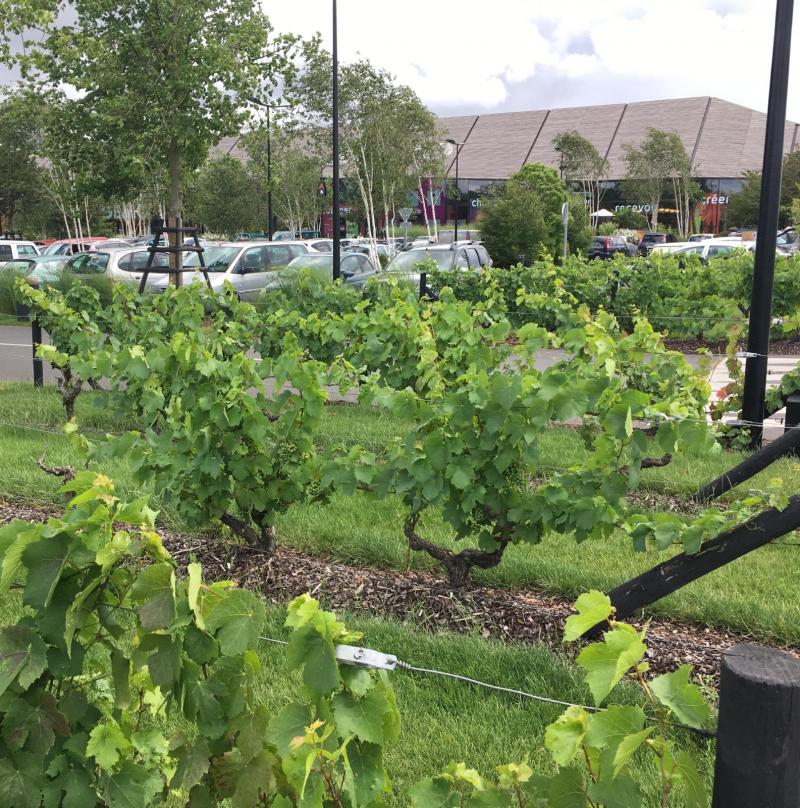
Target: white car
[[122, 265], [247, 265], [323, 245], [671, 247], [712, 248], [11, 249]]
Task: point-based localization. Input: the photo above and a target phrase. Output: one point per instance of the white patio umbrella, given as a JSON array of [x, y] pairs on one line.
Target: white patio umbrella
[[602, 214]]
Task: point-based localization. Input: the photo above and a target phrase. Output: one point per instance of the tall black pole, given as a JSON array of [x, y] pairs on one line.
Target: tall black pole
[[755, 374], [269, 177], [458, 195], [337, 247]]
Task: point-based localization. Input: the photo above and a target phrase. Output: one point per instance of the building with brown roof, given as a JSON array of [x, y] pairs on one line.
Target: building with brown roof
[[722, 139]]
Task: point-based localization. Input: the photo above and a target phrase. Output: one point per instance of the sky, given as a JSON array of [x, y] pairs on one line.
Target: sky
[[481, 56]]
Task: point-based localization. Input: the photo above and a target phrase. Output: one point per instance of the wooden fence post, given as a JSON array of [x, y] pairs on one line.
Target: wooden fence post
[[758, 739]]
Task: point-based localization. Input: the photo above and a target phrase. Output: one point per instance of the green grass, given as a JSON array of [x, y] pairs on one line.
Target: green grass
[[11, 319], [756, 594], [443, 719]]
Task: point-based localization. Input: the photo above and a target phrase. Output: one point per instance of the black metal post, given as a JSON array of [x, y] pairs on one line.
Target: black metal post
[[458, 196], [758, 735], [423, 285], [755, 375], [38, 365], [337, 246], [269, 176]]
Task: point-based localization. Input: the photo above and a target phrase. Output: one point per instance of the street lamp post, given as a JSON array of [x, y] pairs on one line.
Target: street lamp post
[[458, 192], [269, 108], [337, 246]]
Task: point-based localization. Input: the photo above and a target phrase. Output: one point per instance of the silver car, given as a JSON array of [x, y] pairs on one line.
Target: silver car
[[121, 265], [247, 265]]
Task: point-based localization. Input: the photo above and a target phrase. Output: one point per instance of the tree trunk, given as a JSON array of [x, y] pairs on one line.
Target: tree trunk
[[175, 158], [86, 208]]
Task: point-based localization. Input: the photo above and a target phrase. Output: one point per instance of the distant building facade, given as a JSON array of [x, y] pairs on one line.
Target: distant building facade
[[722, 139]]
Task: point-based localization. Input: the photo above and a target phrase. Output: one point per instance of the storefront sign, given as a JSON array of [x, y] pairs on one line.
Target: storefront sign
[[636, 208]]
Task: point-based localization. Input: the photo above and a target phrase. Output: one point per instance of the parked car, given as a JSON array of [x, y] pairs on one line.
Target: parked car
[[609, 246], [249, 267], [788, 240], [288, 235], [356, 268], [11, 249], [323, 245], [383, 250], [458, 256], [666, 249], [121, 265], [72, 246], [700, 237], [650, 239], [40, 270], [711, 248]]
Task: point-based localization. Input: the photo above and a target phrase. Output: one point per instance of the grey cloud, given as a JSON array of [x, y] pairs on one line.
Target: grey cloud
[[550, 90], [581, 44]]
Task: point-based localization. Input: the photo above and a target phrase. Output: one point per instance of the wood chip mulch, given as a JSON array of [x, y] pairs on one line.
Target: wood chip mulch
[[423, 599]]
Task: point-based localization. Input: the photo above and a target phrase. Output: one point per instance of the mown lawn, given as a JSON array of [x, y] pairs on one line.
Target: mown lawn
[[757, 594]]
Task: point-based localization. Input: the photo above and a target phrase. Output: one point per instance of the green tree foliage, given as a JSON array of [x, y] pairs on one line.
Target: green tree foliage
[[19, 175], [513, 225], [387, 135], [225, 198], [297, 166], [630, 219], [523, 218], [743, 206], [158, 82], [660, 163]]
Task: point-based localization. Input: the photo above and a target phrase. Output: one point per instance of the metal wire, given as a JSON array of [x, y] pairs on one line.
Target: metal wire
[[513, 691], [510, 690]]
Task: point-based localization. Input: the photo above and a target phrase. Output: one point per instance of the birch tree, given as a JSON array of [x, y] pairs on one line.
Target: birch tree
[[660, 163], [388, 139], [582, 164]]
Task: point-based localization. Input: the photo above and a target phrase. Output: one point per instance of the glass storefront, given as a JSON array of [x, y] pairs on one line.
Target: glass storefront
[[466, 201]]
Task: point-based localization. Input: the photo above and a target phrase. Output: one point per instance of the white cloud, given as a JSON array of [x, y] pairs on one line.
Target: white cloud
[[480, 56]]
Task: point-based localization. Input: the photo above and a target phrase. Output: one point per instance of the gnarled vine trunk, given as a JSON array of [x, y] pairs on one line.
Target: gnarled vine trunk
[[458, 565], [265, 538]]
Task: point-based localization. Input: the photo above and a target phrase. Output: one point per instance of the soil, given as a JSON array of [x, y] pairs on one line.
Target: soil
[[424, 599], [778, 347]]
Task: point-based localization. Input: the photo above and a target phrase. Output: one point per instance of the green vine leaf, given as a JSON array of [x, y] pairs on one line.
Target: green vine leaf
[[154, 589], [237, 620], [107, 745], [593, 607], [607, 662], [564, 737], [674, 690]]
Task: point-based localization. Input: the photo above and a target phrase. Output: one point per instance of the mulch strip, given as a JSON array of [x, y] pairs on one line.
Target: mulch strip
[[421, 598], [777, 347]]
